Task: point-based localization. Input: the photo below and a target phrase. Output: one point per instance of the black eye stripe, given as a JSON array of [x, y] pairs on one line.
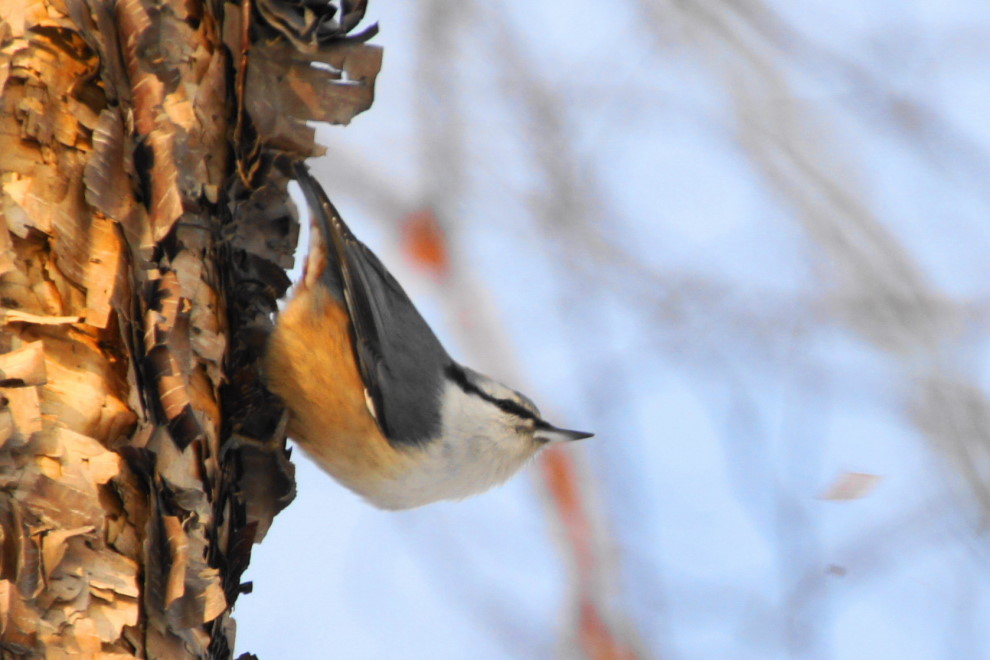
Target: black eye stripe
[[457, 375], [513, 408]]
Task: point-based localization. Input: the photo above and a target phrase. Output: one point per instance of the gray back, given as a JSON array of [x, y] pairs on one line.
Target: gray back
[[401, 361]]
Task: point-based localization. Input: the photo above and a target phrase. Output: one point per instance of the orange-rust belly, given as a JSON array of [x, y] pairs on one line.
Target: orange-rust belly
[[311, 366]]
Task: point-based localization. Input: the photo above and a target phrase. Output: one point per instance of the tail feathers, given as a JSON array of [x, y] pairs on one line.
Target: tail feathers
[[327, 242]]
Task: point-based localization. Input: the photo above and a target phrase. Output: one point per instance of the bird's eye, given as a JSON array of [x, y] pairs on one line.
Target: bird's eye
[[522, 429]]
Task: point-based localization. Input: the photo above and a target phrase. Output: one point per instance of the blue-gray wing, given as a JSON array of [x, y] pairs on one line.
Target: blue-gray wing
[[400, 359]]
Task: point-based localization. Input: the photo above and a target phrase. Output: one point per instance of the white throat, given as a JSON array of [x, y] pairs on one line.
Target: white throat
[[479, 447]]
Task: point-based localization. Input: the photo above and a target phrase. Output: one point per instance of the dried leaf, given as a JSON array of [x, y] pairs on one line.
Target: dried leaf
[[425, 242], [851, 486]]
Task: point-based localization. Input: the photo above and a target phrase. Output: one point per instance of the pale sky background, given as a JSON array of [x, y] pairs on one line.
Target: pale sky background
[[746, 243]]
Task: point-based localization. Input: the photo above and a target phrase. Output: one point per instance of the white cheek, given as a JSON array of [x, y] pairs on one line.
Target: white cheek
[[479, 449]]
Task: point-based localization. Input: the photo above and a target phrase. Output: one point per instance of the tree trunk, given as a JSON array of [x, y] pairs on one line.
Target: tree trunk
[[145, 235]]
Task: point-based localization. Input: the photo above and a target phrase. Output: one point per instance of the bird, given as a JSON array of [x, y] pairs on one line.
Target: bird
[[372, 395]]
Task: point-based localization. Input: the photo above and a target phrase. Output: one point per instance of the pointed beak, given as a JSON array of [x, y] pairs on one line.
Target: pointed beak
[[550, 433]]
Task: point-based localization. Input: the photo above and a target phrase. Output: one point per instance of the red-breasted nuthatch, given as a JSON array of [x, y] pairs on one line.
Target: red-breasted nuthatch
[[374, 398]]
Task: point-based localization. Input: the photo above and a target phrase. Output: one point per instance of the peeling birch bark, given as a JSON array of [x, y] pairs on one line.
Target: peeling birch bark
[[145, 230]]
